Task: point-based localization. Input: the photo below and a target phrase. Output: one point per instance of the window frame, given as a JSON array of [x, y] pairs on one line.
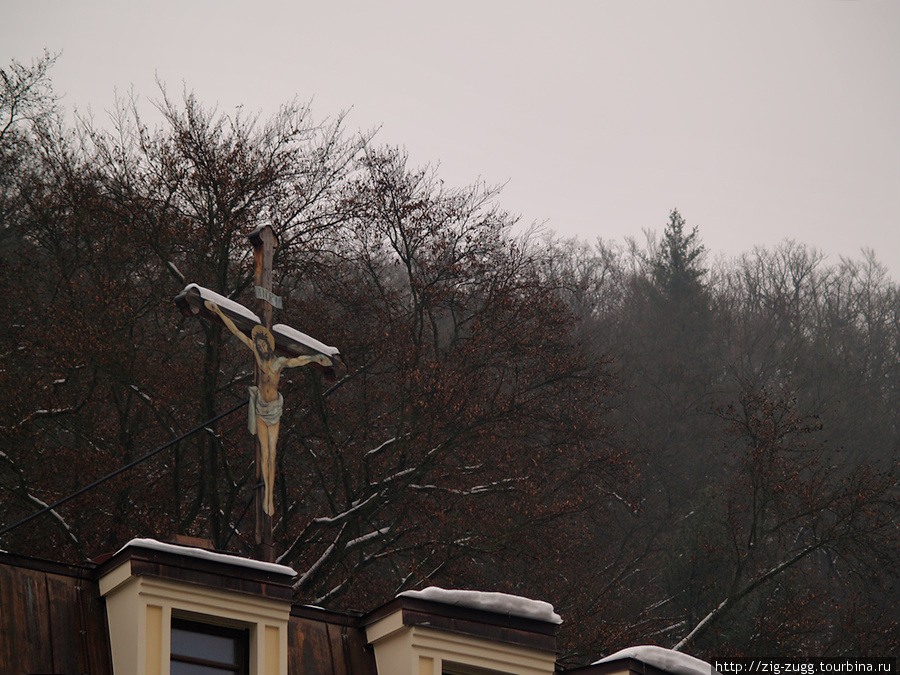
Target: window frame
[[240, 637]]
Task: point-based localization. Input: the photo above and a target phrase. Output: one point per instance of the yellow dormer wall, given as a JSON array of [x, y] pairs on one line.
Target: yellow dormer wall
[[140, 608], [421, 650]]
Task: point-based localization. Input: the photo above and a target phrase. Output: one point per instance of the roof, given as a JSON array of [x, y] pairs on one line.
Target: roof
[[647, 660], [54, 620], [149, 557], [507, 628]]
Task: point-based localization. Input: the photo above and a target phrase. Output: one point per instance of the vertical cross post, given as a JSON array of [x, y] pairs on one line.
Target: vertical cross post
[[264, 243], [272, 355]]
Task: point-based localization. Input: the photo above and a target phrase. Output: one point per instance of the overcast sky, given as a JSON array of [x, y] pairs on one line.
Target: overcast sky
[[759, 120]]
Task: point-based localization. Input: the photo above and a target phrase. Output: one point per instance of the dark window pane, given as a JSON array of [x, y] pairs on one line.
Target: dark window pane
[[205, 649], [203, 645], [179, 668]]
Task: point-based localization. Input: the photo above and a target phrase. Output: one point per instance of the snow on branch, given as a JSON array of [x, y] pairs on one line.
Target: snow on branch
[[334, 591], [406, 472], [383, 446], [497, 486], [396, 476], [37, 501], [316, 566], [367, 537], [746, 590], [358, 506], [37, 414], [43, 505]]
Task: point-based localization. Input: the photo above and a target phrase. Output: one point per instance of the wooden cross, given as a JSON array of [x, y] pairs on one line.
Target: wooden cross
[[266, 342]]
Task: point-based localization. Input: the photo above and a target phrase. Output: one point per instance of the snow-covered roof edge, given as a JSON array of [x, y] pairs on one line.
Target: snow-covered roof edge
[[664, 659], [499, 603], [203, 554]]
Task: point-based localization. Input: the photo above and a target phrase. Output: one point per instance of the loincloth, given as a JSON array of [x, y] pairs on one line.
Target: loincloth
[[268, 411]]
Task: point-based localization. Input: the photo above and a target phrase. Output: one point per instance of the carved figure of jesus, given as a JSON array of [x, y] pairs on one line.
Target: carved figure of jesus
[[266, 403]]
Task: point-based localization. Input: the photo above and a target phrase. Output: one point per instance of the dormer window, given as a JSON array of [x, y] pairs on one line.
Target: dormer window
[[204, 649], [441, 632], [176, 610]]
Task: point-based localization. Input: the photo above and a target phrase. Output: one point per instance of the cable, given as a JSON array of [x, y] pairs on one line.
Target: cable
[[243, 513], [122, 469]]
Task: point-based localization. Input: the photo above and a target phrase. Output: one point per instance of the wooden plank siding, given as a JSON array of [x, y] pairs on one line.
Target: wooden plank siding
[[326, 642], [52, 619]]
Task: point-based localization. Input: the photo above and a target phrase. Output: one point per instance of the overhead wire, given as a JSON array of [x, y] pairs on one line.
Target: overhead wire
[[122, 469]]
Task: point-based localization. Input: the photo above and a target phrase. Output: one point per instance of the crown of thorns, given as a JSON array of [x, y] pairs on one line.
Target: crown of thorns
[[263, 332]]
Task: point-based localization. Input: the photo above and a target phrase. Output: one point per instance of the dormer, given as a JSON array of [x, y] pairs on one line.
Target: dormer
[[178, 609], [440, 632], [646, 660]]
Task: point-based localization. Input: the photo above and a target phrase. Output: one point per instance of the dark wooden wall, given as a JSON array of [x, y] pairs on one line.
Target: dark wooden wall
[[327, 643], [52, 619]]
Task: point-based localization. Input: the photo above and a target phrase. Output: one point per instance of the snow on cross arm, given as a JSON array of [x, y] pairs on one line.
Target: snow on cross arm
[[223, 302], [304, 339], [499, 603]]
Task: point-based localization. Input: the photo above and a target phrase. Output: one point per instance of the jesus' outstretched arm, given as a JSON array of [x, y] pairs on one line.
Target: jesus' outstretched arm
[[229, 324]]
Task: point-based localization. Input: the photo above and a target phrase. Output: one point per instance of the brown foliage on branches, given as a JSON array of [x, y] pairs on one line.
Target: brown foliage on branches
[[470, 423], [699, 458], [792, 522]]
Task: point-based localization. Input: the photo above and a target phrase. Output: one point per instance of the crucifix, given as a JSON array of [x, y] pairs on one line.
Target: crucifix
[[265, 342]]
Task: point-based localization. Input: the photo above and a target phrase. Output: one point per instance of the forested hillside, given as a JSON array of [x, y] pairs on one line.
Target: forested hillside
[[671, 449]]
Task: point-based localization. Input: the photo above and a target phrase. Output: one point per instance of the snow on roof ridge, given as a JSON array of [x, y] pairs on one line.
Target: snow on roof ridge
[[499, 603], [665, 659], [203, 554]]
